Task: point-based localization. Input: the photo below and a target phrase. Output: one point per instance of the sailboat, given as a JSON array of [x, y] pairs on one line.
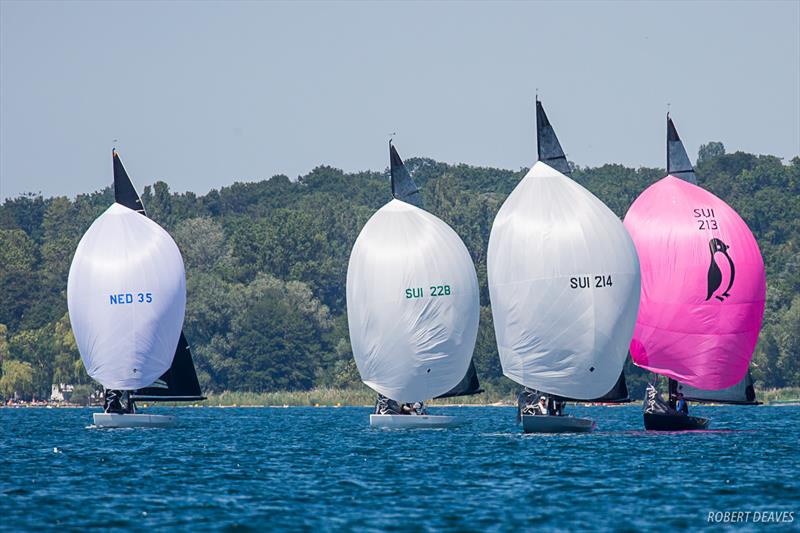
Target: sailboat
[[703, 292], [564, 286], [126, 295], [412, 308]]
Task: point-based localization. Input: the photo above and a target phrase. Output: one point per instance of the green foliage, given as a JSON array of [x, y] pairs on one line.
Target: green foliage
[[17, 380], [82, 394], [710, 151], [267, 261]]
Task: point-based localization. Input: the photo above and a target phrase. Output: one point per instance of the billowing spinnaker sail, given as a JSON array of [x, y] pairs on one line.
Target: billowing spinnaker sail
[[703, 286], [127, 295], [564, 284], [412, 304]]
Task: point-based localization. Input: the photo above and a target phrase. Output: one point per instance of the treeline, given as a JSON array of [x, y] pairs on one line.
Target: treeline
[[266, 266]]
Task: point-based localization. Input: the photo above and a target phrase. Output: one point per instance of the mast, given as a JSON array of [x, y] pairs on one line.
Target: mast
[[405, 189], [549, 148], [678, 163], [179, 382]]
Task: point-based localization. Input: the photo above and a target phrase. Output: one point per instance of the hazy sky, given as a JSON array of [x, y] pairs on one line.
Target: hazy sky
[[202, 94]]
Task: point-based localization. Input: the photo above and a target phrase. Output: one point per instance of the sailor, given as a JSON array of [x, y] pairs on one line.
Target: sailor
[[112, 402], [543, 406], [387, 406], [682, 407], [118, 402], [559, 409], [526, 403]]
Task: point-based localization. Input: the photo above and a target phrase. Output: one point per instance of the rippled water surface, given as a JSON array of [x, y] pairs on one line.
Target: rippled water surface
[[325, 469]]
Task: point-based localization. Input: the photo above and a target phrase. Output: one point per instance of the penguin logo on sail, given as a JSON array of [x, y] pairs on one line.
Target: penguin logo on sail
[[716, 246]]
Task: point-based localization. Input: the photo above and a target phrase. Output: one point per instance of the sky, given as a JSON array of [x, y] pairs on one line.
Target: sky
[[202, 94]]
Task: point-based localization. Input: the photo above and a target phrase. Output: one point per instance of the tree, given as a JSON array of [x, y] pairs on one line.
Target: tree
[[17, 275], [17, 380], [4, 352], [203, 244], [266, 264], [710, 151], [788, 341]]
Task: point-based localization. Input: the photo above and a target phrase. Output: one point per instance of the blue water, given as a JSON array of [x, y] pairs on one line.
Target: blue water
[[325, 469]]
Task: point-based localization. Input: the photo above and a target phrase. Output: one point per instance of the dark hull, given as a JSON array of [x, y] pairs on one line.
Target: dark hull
[[662, 422]]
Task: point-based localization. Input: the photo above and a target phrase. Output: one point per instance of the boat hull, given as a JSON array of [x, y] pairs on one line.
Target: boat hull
[[414, 421], [663, 422], [113, 420], [557, 424]]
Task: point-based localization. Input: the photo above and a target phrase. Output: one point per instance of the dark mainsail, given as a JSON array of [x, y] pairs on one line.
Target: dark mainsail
[[550, 151], [124, 192], [678, 163], [404, 188], [617, 394], [742, 393], [468, 386], [179, 382]]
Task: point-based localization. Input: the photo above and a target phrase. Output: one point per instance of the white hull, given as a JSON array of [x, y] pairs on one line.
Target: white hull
[[556, 424], [413, 421], [111, 420]]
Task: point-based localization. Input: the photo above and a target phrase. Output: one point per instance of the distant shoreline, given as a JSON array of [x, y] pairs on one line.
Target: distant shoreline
[[363, 397]]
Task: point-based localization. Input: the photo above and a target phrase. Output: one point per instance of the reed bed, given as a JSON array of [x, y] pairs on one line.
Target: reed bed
[[362, 396]]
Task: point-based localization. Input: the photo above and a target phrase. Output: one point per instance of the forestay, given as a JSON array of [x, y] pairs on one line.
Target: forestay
[[564, 285], [412, 304], [127, 295]]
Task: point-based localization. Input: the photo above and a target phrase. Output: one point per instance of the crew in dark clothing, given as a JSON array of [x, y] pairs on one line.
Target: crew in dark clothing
[[118, 402], [551, 405], [387, 406], [681, 406]]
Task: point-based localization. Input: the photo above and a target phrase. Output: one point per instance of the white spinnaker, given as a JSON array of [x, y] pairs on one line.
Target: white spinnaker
[[411, 348], [127, 296], [564, 283]]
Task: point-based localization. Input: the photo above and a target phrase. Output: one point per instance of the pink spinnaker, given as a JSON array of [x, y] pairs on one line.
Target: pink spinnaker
[[703, 286]]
